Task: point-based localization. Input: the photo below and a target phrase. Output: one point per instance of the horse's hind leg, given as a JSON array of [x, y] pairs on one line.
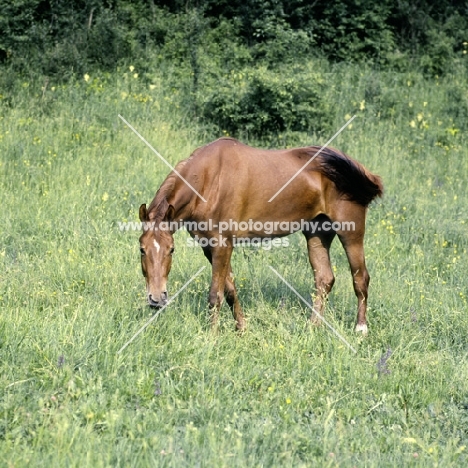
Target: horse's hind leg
[[354, 247], [318, 246]]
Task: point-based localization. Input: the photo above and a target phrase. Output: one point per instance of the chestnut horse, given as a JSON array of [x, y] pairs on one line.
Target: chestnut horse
[[237, 182]]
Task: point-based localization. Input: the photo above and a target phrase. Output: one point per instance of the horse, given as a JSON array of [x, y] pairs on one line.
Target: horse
[[230, 185]]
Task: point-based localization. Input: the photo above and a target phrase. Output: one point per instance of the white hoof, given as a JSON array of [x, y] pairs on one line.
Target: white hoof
[[361, 328]]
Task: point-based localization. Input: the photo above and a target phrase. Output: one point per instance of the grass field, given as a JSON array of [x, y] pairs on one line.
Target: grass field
[[283, 394]]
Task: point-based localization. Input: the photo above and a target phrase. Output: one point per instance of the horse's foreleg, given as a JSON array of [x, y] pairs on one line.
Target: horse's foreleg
[[233, 301], [220, 258], [318, 246], [231, 295]]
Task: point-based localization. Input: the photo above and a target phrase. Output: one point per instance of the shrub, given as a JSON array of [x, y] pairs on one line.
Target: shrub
[[438, 53], [261, 102], [456, 105]]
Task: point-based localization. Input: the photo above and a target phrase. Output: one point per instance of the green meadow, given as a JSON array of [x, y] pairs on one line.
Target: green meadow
[[283, 394]]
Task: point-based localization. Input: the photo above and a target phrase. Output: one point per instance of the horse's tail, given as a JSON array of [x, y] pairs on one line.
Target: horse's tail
[[351, 178]]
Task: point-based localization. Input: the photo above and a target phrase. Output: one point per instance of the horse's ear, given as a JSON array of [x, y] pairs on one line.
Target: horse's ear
[[143, 213], [169, 213]]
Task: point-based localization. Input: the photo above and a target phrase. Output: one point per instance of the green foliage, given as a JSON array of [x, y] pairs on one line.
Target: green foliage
[[62, 38], [283, 394], [456, 105], [438, 54], [284, 45], [353, 30], [108, 41], [65, 38], [260, 102], [71, 291]]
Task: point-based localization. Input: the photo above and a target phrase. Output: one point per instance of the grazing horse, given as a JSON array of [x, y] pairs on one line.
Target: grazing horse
[[222, 192]]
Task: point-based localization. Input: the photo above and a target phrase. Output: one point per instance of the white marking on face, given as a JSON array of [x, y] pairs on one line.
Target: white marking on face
[[158, 247]]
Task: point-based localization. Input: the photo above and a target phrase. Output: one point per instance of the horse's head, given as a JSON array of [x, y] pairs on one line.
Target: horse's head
[[156, 249]]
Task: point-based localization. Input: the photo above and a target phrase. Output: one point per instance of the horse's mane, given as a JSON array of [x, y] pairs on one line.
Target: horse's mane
[[158, 207]]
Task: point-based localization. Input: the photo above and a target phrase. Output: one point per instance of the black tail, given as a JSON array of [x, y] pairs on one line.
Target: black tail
[[352, 179]]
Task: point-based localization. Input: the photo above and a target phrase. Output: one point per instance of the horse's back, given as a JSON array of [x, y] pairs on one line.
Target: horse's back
[[240, 180]]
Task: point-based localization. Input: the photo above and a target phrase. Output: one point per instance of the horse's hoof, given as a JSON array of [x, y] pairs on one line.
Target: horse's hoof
[[241, 327], [361, 328], [316, 320], [214, 329]]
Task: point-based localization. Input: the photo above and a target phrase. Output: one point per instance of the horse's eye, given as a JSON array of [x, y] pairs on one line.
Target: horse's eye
[[171, 251], [142, 251]]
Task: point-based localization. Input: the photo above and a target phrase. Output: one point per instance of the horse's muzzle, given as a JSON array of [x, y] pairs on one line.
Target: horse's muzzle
[[157, 303]]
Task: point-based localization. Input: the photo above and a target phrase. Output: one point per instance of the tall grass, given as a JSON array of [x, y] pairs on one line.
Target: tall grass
[[71, 293]]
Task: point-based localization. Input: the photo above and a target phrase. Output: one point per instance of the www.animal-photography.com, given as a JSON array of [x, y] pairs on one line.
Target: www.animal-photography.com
[[233, 235]]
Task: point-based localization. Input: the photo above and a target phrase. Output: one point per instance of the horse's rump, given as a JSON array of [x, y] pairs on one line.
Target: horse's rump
[[351, 178]]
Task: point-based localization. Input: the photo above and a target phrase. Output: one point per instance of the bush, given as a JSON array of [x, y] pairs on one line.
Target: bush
[[456, 105], [61, 38], [438, 53], [261, 102]]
